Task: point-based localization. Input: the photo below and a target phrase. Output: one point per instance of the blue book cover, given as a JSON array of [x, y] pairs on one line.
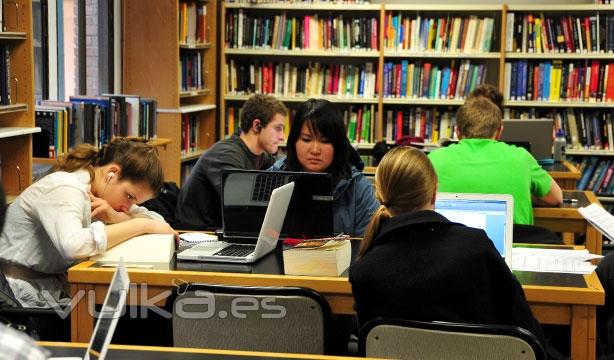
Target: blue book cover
[[445, 79], [395, 26], [361, 86], [523, 80], [547, 71], [404, 65], [400, 31], [519, 80], [587, 174]]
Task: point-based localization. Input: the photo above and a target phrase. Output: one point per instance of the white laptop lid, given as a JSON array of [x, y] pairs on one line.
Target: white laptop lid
[[273, 220], [110, 312], [493, 213]]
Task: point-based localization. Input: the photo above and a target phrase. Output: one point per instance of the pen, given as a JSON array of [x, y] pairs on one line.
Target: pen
[[570, 201]]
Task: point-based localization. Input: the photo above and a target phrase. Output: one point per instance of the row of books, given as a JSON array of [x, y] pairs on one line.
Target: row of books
[[430, 124], [584, 129], [596, 174], [431, 80], [5, 74], [536, 33], [588, 80], [192, 22], [440, 34], [190, 124], [313, 79], [360, 123], [314, 32], [91, 119], [192, 74]]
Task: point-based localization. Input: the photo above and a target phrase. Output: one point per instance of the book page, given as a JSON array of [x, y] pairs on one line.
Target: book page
[[599, 218]]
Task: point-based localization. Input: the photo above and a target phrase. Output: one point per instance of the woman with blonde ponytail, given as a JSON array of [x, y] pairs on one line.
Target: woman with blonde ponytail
[[85, 206], [415, 264]]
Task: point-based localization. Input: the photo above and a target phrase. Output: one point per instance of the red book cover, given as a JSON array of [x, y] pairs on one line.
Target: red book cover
[[397, 86], [453, 80], [587, 34], [329, 80], [609, 87], [567, 34], [594, 80], [358, 124], [426, 72], [423, 124], [374, 30], [335, 79], [399, 125]]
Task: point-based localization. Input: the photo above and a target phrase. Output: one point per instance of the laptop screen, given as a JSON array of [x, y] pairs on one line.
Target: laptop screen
[[109, 314], [493, 215], [246, 194], [535, 135]]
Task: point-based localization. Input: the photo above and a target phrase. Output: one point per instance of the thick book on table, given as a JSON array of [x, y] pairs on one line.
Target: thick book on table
[[318, 258], [149, 250]]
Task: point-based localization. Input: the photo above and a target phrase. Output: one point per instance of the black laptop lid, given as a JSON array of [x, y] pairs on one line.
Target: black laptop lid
[[246, 193]]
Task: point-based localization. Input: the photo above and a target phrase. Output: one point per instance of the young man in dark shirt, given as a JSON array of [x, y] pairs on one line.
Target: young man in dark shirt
[[262, 129]]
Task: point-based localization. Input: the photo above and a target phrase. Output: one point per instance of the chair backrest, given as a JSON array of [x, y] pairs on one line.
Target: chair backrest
[[533, 234], [405, 339], [287, 319]]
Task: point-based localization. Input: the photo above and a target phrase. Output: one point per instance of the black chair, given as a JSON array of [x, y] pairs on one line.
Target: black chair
[[279, 319], [38, 323], [406, 339], [532, 234]]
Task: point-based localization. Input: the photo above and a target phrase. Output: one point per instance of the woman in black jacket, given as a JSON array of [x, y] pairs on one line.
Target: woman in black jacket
[[415, 264]]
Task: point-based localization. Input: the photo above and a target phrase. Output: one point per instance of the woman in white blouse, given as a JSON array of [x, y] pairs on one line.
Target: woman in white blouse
[[85, 206]]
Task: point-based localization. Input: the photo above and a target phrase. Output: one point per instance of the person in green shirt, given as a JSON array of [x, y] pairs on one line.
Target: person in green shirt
[[479, 163]]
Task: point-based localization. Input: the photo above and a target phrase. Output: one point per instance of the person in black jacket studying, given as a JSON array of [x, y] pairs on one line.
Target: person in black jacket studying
[[415, 264]]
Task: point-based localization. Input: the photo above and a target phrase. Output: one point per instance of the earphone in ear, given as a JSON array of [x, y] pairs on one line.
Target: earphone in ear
[[110, 176], [258, 126]]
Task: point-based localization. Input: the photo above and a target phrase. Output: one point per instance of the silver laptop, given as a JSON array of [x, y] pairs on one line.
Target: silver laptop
[[535, 135], [493, 213], [248, 253], [111, 310]]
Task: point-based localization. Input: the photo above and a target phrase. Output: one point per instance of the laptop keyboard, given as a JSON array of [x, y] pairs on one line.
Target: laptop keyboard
[[264, 185], [236, 250]]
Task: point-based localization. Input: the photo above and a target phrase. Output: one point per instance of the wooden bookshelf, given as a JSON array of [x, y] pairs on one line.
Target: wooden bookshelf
[[151, 67], [17, 119]]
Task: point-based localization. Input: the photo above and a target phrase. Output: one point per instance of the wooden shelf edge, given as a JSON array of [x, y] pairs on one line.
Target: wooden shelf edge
[[443, 7], [306, 52], [582, 152], [300, 6], [192, 156], [559, 8], [553, 55], [578, 104], [435, 54], [195, 46], [191, 93], [6, 132], [301, 98], [416, 101], [5, 109], [12, 35], [186, 109]]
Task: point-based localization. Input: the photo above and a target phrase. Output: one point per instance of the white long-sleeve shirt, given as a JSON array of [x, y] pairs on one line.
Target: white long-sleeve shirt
[[49, 226]]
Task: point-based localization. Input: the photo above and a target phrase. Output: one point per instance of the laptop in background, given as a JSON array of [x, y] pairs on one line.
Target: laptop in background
[[111, 310], [248, 253], [535, 135], [493, 213], [246, 193]]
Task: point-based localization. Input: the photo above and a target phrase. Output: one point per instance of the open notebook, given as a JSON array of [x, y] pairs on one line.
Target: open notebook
[[492, 213]]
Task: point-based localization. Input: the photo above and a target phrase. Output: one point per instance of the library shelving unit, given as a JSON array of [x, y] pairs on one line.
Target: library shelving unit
[[17, 118], [166, 58], [389, 54], [294, 51], [569, 41], [453, 41]]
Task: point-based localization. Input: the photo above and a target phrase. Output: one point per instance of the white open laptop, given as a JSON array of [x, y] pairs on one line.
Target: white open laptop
[[493, 213], [110, 313], [247, 253]]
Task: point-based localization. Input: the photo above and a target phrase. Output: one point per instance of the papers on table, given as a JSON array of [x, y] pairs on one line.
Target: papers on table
[[553, 260], [599, 218]]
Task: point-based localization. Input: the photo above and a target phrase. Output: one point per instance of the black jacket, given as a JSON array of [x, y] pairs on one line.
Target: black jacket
[[424, 267], [199, 205]]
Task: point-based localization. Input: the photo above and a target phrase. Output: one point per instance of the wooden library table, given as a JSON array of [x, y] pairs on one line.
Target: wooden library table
[[120, 352], [567, 220], [564, 173], [554, 298]]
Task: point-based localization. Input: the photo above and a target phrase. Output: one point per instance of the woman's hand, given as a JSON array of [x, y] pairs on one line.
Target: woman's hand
[[102, 211]]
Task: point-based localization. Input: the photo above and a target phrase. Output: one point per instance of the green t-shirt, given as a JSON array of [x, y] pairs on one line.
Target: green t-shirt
[[491, 167]]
